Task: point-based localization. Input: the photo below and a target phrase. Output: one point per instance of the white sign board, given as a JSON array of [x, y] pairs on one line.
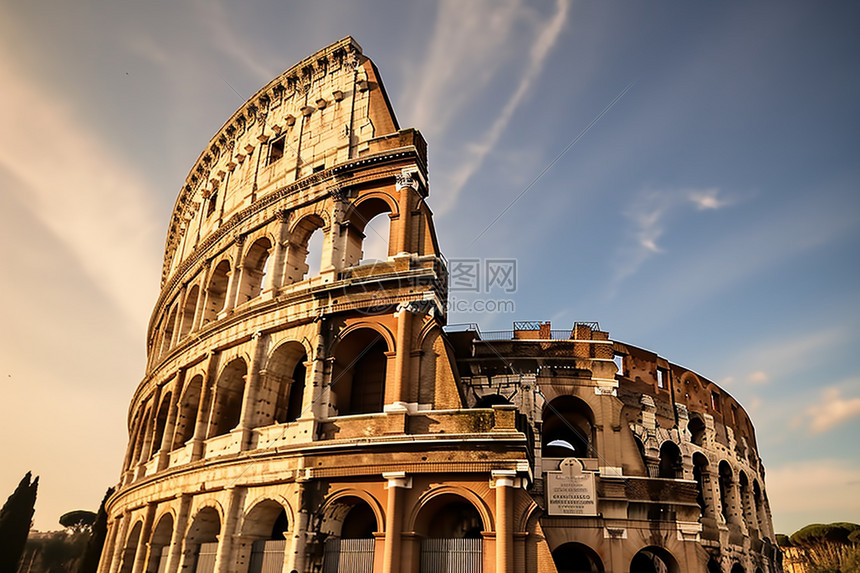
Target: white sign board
[[570, 491]]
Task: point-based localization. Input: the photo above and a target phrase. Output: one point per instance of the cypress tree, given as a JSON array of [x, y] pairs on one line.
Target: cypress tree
[[93, 553], [15, 519]]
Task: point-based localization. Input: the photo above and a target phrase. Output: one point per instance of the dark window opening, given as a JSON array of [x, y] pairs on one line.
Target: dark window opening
[[276, 149], [210, 207]]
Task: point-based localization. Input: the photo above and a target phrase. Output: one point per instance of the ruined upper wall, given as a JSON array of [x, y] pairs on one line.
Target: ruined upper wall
[[326, 110]]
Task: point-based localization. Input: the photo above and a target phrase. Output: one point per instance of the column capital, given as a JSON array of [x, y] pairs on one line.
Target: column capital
[[503, 478], [398, 479]]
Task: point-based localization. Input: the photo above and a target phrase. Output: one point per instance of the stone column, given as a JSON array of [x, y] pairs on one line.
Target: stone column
[[177, 540], [201, 426], [247, 417], [395, 393], [108, 550], [170, 424], [407, 188], [504, 484], [119, 547], [397, 481], [224, 557], [142, 553], [235, 277], [296, 558]]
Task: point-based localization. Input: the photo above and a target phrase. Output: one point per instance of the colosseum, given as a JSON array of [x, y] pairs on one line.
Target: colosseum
[[305, 409]]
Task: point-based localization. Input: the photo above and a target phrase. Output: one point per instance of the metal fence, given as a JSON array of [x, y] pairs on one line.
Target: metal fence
[[348, 556], [206, 557], [451, 555], [267, 556]]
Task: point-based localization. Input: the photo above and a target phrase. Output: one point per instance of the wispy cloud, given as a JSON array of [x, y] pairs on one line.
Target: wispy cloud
[[650, 214], [464, 56], [833, 410], [81, 190]]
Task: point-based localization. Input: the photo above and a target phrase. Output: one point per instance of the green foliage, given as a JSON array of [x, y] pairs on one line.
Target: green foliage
[[782, 540], [90, 562], [15, 518], [829, 548], [78, 521]]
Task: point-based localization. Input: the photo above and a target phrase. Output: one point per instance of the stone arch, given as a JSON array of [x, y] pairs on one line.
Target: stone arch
[[129, 550], [696, 427], [161, 421], [360, 361], [216, 290], [412, 522], [168, 329], [229, 391], [575, 557], [337, 506], [759, 506], [654, 559], [186, 416], [700, 468], [284, 383], [298, 265], [568, 429], [726, 482], [266, 519], [450, 527], [256, 265], [143, 436], [201, 538], [671, 461], [360, 215], [159, 543], [189, 310]]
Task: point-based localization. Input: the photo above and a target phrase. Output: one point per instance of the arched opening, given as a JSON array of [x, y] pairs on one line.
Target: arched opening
[[737, 568], [670, 461], [568, 429], [161, 422], [700, 468], [576, 558], [350, 524], [358, 376], [159, 545], [285, 383], [186, 418], [696, 426], [189, 311], [759, 507], [130, 548], [143, 437], [654, 560], [216, 292], [254, 270], [726, 480], [714, 565], [201, 542], [746, 501], [167, 336], [450, 528], [266, 523], [304, 257], [369, 232], [228, 398], [491, 400]]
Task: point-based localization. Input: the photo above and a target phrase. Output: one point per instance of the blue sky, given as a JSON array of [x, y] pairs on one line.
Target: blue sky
[[684, 173]]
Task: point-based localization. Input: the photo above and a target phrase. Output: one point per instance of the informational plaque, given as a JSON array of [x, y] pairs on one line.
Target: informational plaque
[[570, 491]]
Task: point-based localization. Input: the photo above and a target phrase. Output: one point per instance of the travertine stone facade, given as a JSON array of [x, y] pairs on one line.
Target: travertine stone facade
[[304, 409]]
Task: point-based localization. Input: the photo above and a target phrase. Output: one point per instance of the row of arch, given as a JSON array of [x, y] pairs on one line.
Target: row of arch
[[277, 394], [273, 259], [450, 526]]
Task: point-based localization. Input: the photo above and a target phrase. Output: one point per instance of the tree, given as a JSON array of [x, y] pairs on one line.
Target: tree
[[93, 553], [78, 521], [829, 548], [15, 518]]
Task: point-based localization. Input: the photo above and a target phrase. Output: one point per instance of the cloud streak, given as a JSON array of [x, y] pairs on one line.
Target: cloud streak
[[81, 191], [833, 410]]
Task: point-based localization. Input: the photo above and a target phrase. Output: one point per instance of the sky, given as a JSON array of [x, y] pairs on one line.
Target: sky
[[685, 173]]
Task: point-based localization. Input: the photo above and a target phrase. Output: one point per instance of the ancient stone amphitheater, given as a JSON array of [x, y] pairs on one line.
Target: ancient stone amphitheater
[[305, 409]]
